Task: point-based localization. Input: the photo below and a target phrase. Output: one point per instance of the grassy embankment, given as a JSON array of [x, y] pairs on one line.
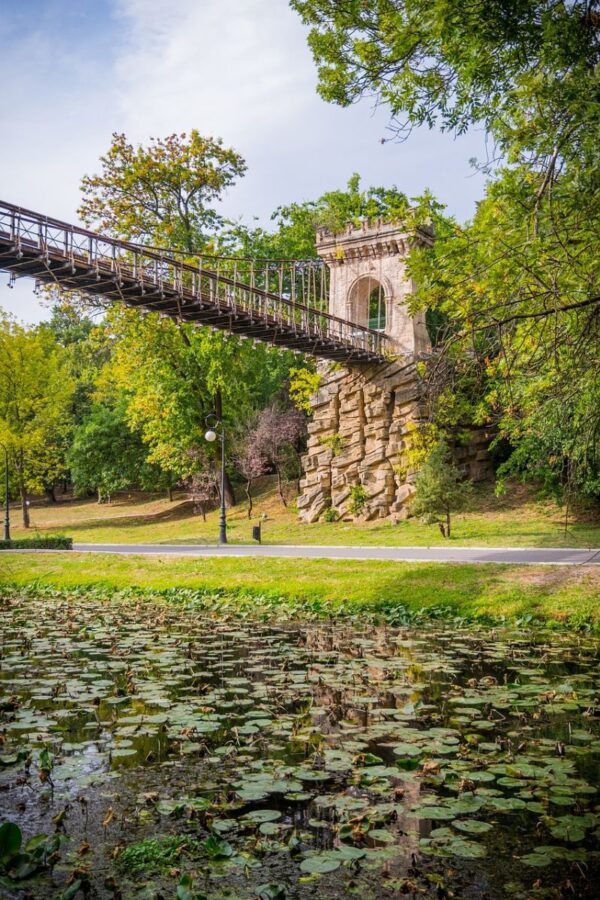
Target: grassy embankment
[[327, 586], [566, 594], [515, 520]]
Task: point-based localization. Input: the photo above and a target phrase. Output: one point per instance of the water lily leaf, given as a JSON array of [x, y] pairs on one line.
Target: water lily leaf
[[216, 848], [262, 815], [224, 825], [466, 849], [382, 836], [539, 860], [8, 759], [10, 841], [170, 807], [346, 852], [319, 865], [472, 826], [120, 752], [271, 892], [506, 804], [434, 813], [405, 749], [443, 832], [569, 828]]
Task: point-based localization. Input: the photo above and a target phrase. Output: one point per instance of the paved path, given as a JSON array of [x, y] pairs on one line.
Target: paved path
[[512, 555]]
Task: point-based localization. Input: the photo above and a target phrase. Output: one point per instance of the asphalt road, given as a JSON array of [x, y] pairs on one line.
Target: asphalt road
[[509, 555]]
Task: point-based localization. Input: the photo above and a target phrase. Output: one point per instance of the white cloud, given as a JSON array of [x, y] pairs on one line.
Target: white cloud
[[238, 69], [234, 68]]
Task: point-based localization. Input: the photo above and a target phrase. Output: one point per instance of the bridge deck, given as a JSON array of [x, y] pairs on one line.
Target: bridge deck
[[74, 259]]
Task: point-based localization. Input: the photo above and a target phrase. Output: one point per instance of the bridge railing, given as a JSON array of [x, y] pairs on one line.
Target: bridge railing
[[291, 293]]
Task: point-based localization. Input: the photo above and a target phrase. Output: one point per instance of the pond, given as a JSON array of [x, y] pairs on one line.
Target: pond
[[162, 751]]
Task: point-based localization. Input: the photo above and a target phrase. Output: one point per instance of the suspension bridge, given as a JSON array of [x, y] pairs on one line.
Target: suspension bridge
[[280, 302]]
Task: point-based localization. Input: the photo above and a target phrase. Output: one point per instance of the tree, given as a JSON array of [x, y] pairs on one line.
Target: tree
[[204, 490], [276, 437], [162, 193], [106, 456], [296, 224], [440, 488], [251, 462], [516, 293], [175, 375], [35, 403], [171, 384], [455, 62]]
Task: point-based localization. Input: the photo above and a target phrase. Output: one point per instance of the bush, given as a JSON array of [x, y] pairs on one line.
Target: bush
[[440, 489], [38, 543], [330, 514], [358, 499]]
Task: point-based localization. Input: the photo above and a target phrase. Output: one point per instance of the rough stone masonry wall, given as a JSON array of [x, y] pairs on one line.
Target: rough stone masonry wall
[[359, 435]]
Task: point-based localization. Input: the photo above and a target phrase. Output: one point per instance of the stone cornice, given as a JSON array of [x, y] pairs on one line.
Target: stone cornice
[[368, 240]]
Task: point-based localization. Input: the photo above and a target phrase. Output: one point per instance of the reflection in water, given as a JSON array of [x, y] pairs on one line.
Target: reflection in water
[[400, 762]]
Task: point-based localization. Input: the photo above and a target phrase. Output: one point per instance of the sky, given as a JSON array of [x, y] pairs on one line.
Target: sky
[[75, 71]]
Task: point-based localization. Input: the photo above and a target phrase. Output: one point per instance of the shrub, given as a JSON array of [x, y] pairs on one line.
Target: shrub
[[38, 543], [358, 499], [330, 514], [440, 489]]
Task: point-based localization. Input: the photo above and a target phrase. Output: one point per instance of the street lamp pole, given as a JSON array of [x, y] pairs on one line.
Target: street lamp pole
[[6, 498], [211, 435]]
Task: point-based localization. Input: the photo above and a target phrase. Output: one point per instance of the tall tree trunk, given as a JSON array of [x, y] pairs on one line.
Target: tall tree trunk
[[447, 523], [170, 494], [229, 492], [50, 494], [280, 486], [23, 489], [249, 495]]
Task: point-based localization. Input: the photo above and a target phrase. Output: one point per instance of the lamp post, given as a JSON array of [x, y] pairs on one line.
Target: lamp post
[[215, 430], [6, 488]]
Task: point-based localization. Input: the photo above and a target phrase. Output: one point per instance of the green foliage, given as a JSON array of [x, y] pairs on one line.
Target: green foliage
[[453, 62], [36, 391], [335, 442], [172, 375], [154, 855], [107, 456], [358, 499], [296, 224], [20, 862], [440, 487], [84, 352], [161, 193], [303, 384], [513, 296], [330, 514], [38, 543]]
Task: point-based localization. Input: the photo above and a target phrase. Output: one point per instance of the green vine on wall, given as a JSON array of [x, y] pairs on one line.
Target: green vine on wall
[[334, 441]]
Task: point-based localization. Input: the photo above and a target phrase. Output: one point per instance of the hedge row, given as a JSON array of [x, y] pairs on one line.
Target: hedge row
[[38, 543]]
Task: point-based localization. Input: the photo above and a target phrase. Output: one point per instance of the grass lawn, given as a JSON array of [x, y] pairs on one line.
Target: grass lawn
[[559, 593], [515, 520]]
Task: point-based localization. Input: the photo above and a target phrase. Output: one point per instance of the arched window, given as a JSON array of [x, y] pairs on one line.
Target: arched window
[[368, 303], [377, 309]]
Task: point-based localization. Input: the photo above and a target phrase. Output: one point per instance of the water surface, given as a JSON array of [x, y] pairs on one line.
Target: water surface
[[313, 760]]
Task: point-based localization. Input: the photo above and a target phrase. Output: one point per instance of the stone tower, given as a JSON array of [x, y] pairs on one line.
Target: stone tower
[[369, 284], [356, 462]]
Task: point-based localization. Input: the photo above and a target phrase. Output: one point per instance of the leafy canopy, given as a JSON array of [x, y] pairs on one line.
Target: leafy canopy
[[163, 193], [35, 403], [515, 294]]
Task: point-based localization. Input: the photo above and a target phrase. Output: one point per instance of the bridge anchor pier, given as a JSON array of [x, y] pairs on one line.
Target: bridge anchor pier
[[357, 465], [356, 461]]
